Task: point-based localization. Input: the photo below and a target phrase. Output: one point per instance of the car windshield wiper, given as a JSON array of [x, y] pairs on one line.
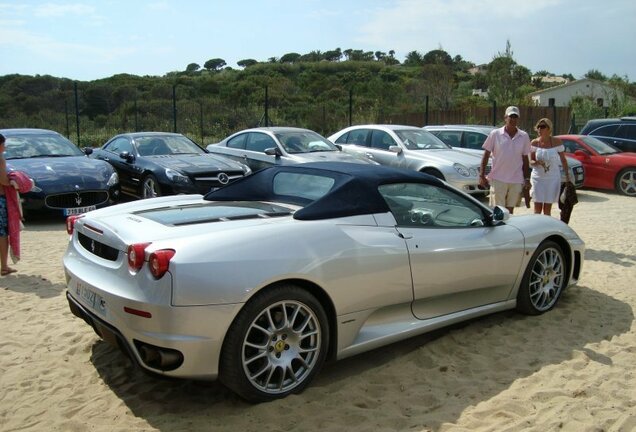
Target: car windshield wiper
[[321, 150]]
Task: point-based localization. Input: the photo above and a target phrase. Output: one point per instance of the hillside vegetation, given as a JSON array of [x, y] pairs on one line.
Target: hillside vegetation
[[320, 91]]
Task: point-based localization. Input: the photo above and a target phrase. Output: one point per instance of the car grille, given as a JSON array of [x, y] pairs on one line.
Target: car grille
[[97, 248], [76, 199], [206, 182]]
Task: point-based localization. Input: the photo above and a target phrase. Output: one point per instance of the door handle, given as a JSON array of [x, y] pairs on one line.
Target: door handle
[[369, 155], [405, 237]]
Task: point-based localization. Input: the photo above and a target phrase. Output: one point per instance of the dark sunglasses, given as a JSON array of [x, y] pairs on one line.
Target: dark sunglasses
[[542, 126], [513, 116]]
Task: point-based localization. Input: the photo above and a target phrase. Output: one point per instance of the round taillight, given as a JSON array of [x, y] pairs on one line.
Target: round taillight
[[136, 254], [70, 223], [159, 262]]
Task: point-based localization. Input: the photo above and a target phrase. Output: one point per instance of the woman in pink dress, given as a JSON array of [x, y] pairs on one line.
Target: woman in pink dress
[[4, 220], [546, 156]]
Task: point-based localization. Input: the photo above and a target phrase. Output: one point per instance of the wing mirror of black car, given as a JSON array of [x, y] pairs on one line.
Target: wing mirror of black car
[[395, 149], [87, 151], [127, 156], [274, 151], [582, 153]]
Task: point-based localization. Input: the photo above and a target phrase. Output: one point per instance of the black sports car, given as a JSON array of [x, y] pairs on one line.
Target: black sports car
[[65, 180], [152, 164]]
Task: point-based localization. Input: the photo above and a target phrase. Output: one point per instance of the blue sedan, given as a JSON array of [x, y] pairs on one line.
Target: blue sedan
[[66, 181]]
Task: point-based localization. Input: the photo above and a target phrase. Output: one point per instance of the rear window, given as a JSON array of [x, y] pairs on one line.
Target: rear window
[[302, 185]]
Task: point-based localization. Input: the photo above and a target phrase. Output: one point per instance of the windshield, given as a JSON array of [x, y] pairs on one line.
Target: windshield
[[158, 145], [304, 142], [415, 139], [39, 145], [599, 146]]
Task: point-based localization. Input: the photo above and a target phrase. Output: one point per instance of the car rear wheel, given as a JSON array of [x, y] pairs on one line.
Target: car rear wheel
[[543, 281], [276, 344], [626, 182], [150, 187]]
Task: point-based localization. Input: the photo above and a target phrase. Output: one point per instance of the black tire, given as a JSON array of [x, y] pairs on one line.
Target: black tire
[[276, 344], [626, 182], [543, 281], [150, 187]]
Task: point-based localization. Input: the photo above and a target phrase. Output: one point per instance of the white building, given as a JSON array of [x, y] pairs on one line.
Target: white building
[[561, 95]]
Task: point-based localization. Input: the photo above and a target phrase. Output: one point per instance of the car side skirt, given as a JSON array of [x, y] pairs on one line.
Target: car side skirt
[[366, 330]]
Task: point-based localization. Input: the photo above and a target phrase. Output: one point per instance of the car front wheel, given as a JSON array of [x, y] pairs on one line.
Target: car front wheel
[[150, 187], [626, 182], [276, 344], [543, 281]]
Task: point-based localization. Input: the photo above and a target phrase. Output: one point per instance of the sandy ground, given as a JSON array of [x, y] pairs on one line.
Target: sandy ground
[[572, 369]]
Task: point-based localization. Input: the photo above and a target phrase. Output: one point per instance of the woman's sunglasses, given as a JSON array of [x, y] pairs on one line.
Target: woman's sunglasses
[[542, 126]]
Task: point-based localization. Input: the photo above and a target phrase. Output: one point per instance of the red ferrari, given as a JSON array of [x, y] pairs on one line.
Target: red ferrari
[[606, 167]]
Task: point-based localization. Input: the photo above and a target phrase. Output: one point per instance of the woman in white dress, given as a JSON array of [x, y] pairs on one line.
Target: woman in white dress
[[545, 157]]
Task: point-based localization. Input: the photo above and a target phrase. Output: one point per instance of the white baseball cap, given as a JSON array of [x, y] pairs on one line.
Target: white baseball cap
[[512, 110]]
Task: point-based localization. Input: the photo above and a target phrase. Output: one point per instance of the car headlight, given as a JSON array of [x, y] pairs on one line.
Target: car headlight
[[247, 170], [176, 177], [461, 169], [113, 180], [35, 188]]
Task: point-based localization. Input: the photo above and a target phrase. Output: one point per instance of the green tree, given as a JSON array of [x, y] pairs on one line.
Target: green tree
[[290, 58], [505, 77], [595, 75], [214, 64], [438, 56], [192, 67], [413, 58], [246, 63]]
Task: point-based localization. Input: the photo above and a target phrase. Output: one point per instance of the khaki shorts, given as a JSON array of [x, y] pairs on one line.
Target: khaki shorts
[[505, 194]]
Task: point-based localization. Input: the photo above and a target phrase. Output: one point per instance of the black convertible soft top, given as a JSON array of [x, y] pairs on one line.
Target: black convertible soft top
[[354, 192]]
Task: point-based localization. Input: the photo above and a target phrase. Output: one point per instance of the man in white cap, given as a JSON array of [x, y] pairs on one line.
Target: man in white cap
[[509, 147]]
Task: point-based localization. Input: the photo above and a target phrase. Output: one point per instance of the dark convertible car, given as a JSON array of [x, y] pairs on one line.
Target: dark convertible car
[[65, 180], [152, 164]]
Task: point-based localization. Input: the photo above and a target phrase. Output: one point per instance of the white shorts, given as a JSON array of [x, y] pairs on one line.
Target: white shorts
[[505, 194]]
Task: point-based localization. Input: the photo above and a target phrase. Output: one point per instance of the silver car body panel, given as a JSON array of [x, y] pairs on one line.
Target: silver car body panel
[[259, 159], [384, 283], [441, 160]]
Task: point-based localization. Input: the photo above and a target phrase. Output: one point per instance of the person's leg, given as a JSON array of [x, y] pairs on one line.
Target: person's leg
[[538, 207], [4, 239], [4, 253], [513, 195], [547, 209], [498, 192]]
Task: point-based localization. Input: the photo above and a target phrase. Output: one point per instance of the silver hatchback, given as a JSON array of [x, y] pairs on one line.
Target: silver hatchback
[[412, 148]]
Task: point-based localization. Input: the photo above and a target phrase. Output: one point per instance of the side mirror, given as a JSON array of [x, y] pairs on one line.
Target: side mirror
[[88, 151], [500, 214], [581, 153], [127, 156], [395, 149], [339, 146], [274, 151]]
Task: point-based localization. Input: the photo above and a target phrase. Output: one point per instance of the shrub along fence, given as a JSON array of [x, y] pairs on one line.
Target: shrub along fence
[[207, 120]]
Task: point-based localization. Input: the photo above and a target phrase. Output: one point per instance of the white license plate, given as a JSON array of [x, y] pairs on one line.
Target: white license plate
[[94, 300], [78, 210]]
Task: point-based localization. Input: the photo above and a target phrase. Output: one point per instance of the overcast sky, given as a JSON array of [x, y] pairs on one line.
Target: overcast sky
[[88, 40]]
